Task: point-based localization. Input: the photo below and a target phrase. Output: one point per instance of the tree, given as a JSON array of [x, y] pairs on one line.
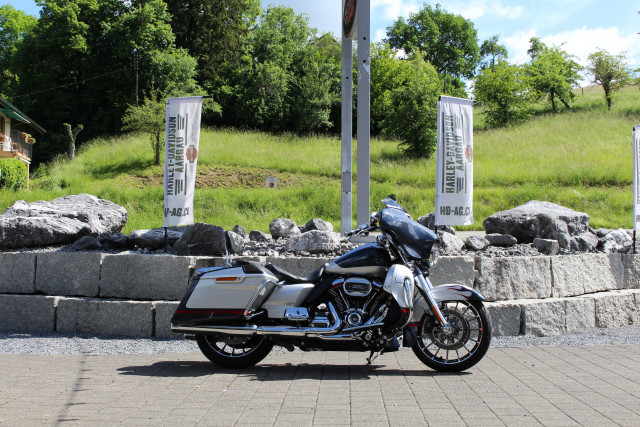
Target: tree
[[412, 116], [448, 41], [71, 135], [148, 118], [504, 92], [215, 32], [491, 51], [14, 26], [609, 71], [552, 73], [78, 65]]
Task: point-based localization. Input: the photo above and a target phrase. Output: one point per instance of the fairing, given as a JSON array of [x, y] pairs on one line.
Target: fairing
[[416, 239]]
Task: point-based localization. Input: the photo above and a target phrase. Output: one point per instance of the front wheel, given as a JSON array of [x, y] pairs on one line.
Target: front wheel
[[235, 352], [460, 346]]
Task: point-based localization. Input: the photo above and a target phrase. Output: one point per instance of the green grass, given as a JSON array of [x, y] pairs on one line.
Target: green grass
[[580, 159]]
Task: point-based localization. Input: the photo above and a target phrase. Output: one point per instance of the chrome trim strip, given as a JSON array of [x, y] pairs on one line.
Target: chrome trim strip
[[265, 330]]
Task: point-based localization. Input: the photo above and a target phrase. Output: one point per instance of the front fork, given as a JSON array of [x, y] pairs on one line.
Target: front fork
[[425, 286]]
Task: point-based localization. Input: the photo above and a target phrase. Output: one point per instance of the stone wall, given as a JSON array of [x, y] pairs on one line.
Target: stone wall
[[135, 294]]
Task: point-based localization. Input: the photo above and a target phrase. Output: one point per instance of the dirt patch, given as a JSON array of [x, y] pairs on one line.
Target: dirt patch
[[220, 176]]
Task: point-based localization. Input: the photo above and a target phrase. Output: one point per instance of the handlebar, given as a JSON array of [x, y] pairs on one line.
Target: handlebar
[[365, 228]]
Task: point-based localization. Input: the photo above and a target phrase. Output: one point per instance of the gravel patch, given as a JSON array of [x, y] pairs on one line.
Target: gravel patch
[[59, 343]]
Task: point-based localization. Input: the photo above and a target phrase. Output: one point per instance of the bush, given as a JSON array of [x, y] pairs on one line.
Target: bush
[[13, 174]]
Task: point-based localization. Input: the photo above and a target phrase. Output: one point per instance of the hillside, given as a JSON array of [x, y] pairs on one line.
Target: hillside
[[580, 159]]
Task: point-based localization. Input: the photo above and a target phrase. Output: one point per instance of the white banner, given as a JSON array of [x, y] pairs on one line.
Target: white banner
[[454, 167], [636, 178], [181, 159]]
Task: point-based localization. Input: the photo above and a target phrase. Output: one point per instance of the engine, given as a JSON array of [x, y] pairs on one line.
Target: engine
[[359, 302]]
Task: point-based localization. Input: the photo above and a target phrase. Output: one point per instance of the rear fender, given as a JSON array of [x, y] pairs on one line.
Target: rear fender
[[449, 292]]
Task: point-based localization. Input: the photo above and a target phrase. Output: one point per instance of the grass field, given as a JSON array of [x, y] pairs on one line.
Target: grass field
[[580, 159]]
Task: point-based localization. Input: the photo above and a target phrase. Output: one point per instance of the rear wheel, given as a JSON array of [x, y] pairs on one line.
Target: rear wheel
[[234, 352], [460, 346]]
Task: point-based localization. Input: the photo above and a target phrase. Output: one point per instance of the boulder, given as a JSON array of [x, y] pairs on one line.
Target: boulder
[[450, 243], [543, 220], [546, 246], [154, 238], [238, 229], [258, 236], [585, 242], [283, 227], [476, 243], [313, 241], [316, 224], [201, 239], [115, 241], [60, 221], [617, 241], [86, 243], [236, 242], [429, 221], [502, 240]]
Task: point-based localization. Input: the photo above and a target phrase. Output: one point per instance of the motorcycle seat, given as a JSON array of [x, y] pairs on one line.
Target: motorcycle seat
[[285, 276], [281, 274]]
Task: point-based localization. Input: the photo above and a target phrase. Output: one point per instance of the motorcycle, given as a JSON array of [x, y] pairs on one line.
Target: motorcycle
[[365, 300]]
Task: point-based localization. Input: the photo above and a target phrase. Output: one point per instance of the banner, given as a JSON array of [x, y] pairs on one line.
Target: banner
[[454, 165], [636, 178], [181, 159]]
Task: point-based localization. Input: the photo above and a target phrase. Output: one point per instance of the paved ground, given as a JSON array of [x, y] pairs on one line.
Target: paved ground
[[554, 386]]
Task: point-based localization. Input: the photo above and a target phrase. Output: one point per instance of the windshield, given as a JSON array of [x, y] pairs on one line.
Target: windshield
[[416, 239]]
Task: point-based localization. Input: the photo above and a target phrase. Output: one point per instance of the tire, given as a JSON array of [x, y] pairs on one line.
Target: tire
[[464, 346], [235, 352]]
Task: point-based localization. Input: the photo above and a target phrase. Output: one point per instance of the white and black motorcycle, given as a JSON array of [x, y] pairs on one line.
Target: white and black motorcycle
[[362, 301]]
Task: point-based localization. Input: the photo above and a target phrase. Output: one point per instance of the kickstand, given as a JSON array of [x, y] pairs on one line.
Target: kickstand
[[372, 356]]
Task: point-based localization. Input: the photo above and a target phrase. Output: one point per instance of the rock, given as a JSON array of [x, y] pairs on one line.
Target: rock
[[476, 243], [154, 239], [86, 243], [316, 224], [236, 242], [60, 221], [585, 242], [115, 241], [240, 231], [617, 241], [313, 241], [201, 239], [544, 220], [450, 243], [283, 227], [502, 240], [546, 246], [429, 221], [258, 236]]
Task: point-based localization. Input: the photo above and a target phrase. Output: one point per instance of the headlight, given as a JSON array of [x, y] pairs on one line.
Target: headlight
[[433, 258]]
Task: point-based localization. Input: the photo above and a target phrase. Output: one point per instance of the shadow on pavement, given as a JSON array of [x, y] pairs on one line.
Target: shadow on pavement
[[282, 372]]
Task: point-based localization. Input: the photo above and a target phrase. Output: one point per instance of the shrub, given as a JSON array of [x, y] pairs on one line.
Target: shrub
[[13, 174]]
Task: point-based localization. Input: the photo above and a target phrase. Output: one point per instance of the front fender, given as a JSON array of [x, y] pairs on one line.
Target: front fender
[[449, 292]]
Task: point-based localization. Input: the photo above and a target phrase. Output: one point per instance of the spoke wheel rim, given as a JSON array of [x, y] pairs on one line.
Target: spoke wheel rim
[[461, 342], [233, 346]]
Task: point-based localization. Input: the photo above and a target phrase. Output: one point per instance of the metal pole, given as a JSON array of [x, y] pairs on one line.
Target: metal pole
[[347, 132], [364, 110], [634, 241], [166, 239]]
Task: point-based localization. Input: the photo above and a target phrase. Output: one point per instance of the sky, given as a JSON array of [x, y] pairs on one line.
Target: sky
[[580, 26]]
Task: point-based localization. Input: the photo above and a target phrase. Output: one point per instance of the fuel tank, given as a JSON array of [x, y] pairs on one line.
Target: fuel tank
[[368, 260]]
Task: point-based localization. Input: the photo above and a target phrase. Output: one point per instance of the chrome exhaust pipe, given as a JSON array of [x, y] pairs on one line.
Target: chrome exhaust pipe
[[264, 330]]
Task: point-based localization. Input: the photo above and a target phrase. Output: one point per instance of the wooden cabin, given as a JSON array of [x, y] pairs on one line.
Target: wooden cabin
[[17, 134]]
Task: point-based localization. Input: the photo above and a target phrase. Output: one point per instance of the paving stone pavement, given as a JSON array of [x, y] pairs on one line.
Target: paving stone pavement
[[551, 386]]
